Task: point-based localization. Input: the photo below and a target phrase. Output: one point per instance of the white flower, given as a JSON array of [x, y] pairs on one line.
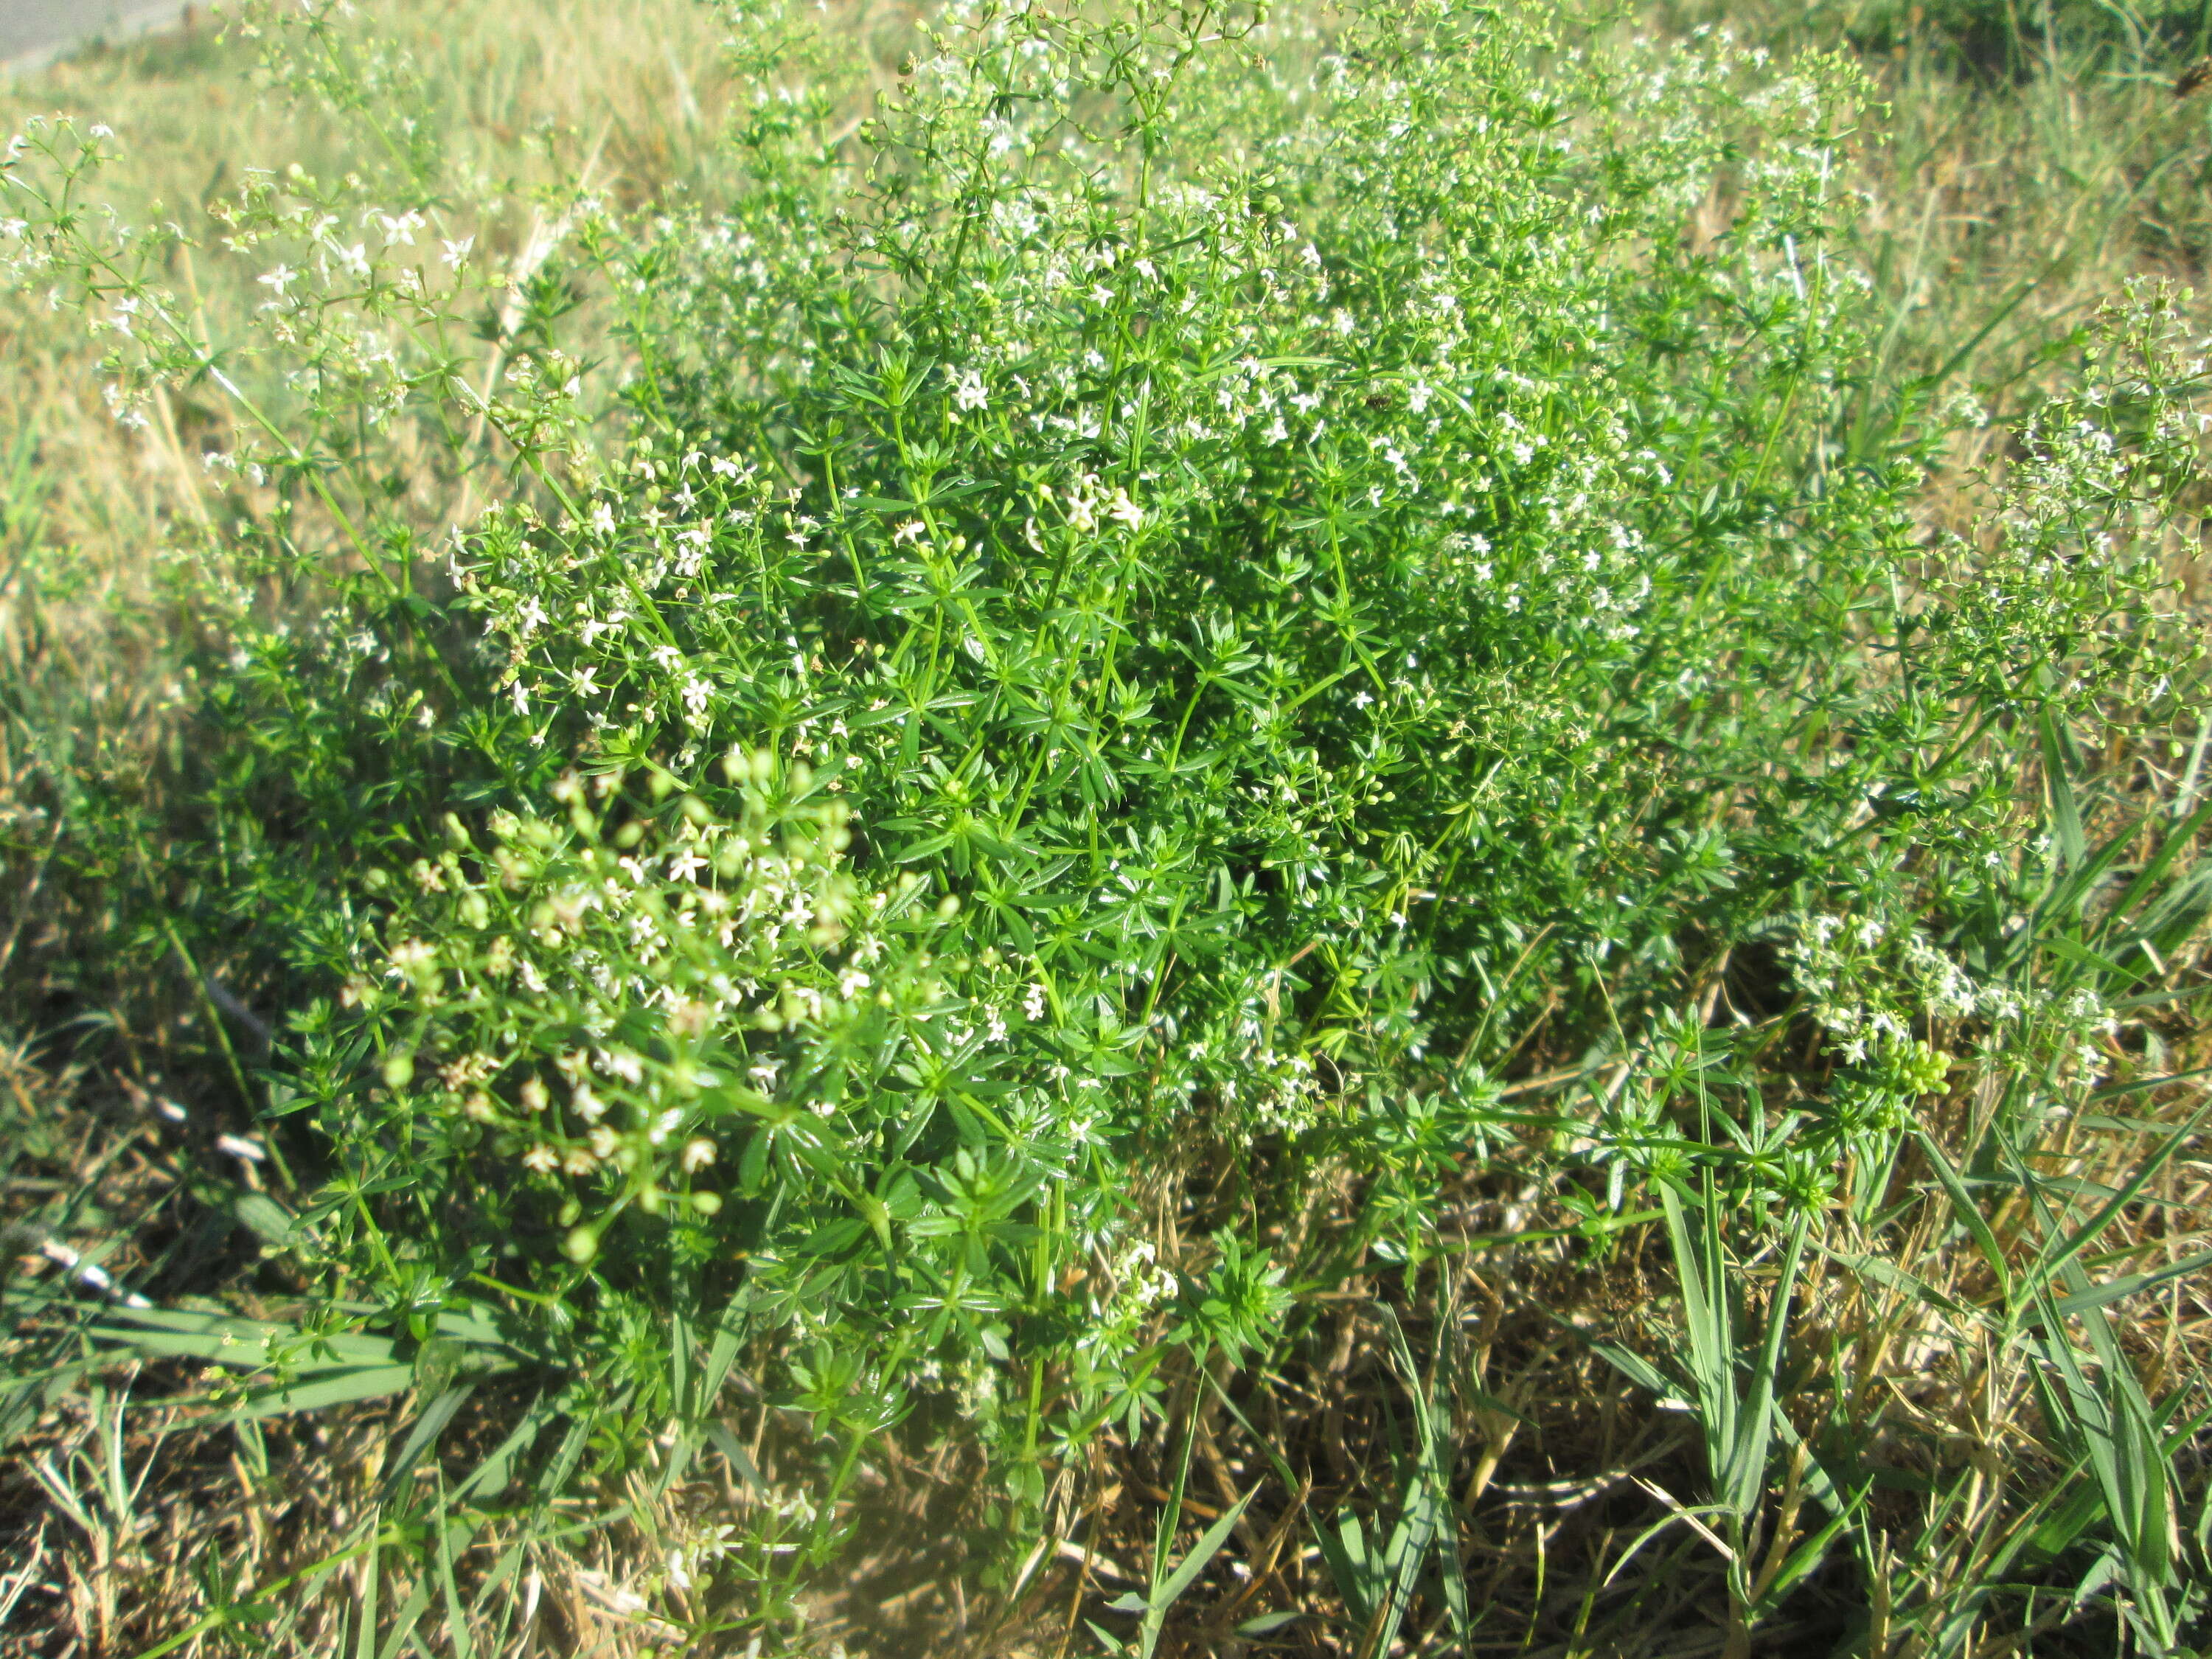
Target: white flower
[[1124, 510], [458, 252], [693, 558], [542, 1159], [279, 279], [967, 390], [697, 1155], [413, 956]]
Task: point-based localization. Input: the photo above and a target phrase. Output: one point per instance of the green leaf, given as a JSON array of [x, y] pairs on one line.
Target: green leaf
[[2065, 814], [1968, 1212], [268, 1220], [1210, 1541], [323, 1390], [2118, 1290], [1642, 1372]]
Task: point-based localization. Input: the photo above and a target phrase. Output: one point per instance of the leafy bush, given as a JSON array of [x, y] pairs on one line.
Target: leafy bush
[[1085, 661]]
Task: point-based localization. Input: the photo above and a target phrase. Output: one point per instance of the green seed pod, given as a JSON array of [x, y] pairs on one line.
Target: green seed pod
[[581, 1244], [398, 1069], [707, 1203]]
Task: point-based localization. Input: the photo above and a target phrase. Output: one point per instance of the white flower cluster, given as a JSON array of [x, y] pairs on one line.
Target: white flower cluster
[[1873, 985], [604, 1004]]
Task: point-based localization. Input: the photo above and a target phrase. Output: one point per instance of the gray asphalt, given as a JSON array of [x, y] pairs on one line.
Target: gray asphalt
[[35, 31]]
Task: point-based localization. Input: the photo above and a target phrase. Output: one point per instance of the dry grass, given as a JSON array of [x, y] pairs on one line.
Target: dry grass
[[623, 94]]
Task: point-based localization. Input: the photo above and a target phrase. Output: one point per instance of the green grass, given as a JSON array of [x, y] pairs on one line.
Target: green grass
[[1114, 831]]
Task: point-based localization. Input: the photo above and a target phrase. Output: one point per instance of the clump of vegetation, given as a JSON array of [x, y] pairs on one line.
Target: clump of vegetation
[[1145, 762], [2014, 42]]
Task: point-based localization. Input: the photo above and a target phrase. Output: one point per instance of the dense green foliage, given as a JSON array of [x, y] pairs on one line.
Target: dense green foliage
[[1131, 638]]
